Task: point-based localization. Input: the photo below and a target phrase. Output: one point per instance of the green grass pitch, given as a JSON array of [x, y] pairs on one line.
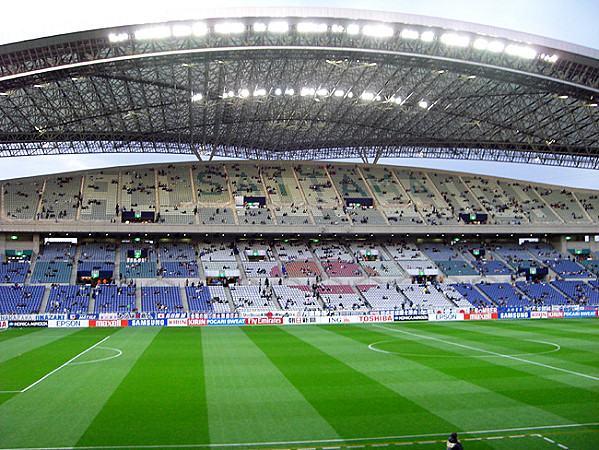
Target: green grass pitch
[[500, 384]]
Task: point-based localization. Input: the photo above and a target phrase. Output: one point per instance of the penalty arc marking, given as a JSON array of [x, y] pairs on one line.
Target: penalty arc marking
[[515, 358]]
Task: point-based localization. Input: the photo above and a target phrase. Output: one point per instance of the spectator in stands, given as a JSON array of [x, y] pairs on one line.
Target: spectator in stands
[[453, 443]]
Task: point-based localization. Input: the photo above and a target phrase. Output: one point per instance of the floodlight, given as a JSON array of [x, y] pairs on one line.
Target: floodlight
[[289, 91], [307, 91], [229, 28], [336, 28], [181, 30], [196, 97], [157, 32], [455, 40], [338, 93], [496, 46], [353, 28], [199, 29], [278, 91], [225, 95], [322, 92], [396, 100], [410, 34], [244, 93], [427, 36], [118, 37], [423, 104], [378, 31], [259, 92], [480, 44], [231, 94], [311, 27], [259, 27], [369, 96], [278, 27], [350, 95], [521, 51]]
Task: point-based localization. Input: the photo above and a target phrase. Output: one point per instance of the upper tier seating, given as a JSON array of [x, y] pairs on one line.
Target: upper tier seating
[[528, 202], [503, 294], [216, 216], [316, 185], [216, 252], [455, 296], [100, 194], [61, 198], [114, 299], [542, 293], [21, 299], [21, 199], [295, 269], [68, 299], [13, 272], [381, 269], [341, 269], [161, 299], [590, 203], [207, 299], [473, 296], [424, 296], [138, 190], [97, 251], [579, 291], [262, 269], [295, 298], [281, 185], [497, 204], [339, 297], [253, 299], [211, 184], [383, 297], [291, 251], [564, 204]]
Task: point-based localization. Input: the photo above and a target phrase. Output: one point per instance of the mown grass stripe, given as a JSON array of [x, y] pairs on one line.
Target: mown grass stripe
[[517, 380], [162, 400], [33, 363], [239, 377], [352, 403]]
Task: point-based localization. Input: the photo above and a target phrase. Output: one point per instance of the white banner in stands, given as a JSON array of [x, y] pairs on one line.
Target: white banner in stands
[[68, 323]]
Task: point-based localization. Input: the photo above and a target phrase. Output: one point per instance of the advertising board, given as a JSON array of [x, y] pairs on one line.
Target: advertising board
[[410, 318], [376, 318], [226, 321], [264, 321], [107, 323], [146, 322], [68, 323], [27, 323]]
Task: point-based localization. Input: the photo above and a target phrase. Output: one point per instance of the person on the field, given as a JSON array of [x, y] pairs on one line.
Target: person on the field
[[453, 443]]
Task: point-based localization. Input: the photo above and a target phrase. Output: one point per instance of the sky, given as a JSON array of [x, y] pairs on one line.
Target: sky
[[573, 21]]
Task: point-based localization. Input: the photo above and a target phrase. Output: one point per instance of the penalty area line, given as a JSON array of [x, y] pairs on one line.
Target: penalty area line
[[55, 370], [515, 358]]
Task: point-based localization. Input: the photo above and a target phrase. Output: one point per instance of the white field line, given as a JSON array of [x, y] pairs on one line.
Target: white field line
[[319, 442], [515, 358], [116, 355], [55, 370]]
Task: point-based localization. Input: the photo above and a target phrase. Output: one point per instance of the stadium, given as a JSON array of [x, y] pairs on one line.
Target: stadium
[[291, 287]]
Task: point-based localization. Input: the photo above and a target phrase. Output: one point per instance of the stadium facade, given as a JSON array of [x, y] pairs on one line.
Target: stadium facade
[[285, 91]]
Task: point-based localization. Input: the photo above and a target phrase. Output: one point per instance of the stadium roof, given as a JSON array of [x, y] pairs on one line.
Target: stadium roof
[[303, 83]]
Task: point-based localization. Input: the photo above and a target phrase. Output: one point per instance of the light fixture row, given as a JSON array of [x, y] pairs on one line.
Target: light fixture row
[[380, 31], [310, 92]]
